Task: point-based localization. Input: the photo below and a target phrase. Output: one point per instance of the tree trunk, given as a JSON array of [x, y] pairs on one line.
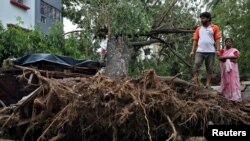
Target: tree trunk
[[118, 57]]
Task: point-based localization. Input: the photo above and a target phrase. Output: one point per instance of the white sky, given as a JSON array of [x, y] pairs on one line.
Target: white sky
[[68, 25]]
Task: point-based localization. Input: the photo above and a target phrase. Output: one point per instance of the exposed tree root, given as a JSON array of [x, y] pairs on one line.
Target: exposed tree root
[[149, 107]]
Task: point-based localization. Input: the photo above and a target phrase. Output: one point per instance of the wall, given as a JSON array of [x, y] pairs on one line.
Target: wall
[[10, 12]]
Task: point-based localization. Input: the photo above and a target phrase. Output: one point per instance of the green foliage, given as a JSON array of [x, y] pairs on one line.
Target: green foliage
[[233, 17], [37, 41], [166, 63], [121, 16], [70, 46], [79, 46], [1, 27], [14, 42], [56, 39], [130, 17], [17, 42]]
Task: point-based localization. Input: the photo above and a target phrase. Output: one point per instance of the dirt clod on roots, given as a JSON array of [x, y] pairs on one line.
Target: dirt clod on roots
[[149, 107]]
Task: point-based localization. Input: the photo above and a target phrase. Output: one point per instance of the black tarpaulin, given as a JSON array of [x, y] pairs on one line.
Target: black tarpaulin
[[65, 61]]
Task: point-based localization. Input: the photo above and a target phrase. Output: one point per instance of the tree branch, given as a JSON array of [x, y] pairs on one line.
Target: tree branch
[[175, 53], [152, 32], [144, 43], [73, 31], [167, 31], [166, 13]]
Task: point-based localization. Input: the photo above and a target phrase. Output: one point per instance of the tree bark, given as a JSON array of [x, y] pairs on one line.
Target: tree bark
[[118, 56]]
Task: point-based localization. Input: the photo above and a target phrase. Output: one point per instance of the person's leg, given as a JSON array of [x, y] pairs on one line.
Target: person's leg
[[208, 79], [209, 62], [199, 58]]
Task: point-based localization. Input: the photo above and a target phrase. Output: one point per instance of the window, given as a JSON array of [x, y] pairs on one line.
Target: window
[[43, 19], [54, 13], [50, 11], [58, 15], [147, 51], [43, 8]]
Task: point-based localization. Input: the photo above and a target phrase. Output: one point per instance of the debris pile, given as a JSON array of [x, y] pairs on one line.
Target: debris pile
[[149, 107]]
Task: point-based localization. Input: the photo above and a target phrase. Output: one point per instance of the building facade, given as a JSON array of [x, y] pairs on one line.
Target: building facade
[[30, 13]]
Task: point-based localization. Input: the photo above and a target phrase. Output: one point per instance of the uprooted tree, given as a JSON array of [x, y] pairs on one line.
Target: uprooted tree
[[131, 25], [149, 107]]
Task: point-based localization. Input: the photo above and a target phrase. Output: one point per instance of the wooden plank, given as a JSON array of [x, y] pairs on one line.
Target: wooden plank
[[28, 98], [56, 74]]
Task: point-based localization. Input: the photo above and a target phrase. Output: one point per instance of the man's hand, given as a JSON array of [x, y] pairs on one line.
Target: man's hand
[[218, 53], [191, 54]]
